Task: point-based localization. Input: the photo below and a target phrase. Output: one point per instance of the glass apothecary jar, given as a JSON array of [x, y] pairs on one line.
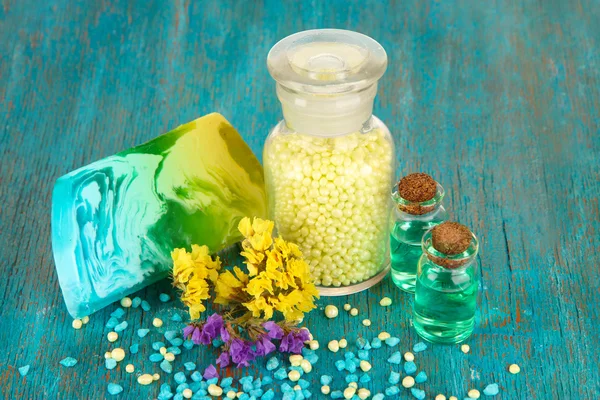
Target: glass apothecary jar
[[330, 163]]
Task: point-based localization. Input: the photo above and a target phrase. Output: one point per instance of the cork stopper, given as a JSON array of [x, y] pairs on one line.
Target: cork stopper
[[451, 238], [417, 187]]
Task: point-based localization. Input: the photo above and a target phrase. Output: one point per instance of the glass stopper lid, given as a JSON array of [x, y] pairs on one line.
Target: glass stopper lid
[[324, 61]]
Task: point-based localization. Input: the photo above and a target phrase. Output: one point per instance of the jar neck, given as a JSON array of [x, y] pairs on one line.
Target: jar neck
[[325, 114]]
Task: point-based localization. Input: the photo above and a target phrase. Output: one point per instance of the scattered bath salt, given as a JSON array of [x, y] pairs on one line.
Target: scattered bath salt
[[85, 319], [68, 362], [215, 390], [176, 318], [347, 307], [142, 332], [417, 393], [114, 388], [440, 397], [155, 377], [465, 348], [385, 302], [77, 323], [331, 311], [187, 393], [112, 336], [145, 379], [325, 389], [408, 356], [333, 346], [474, 393], [117, 354], [383, 336], [491, 389], [417, 348], [293, 375], [24, 370], [107, 354], [135, 303], [452, 398], [164, 297], [157, 322], [129, 368], [110, 363], [354, 312], [118, 313], [363, 393], [121, 327], [343, 343], [314, 345], [408, 382], [366, 322], [145, 305], [126, 302], [365, 366], [514, 369]]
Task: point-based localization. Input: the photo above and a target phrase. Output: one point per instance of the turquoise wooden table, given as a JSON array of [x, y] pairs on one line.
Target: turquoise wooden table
[[498, 100]]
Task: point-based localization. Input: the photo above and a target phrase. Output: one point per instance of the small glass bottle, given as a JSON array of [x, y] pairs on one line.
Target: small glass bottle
[[447, 284], [418, 200], [329, 164]]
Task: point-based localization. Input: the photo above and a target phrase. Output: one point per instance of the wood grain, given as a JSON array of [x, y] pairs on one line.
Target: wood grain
[[499, 100]]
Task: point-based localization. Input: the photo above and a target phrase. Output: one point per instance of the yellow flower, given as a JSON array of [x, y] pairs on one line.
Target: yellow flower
[[261, 226], [287, 249], [183, 266], [245, 227], [258, 305], [258, 285], [227, 283], [261, 241]]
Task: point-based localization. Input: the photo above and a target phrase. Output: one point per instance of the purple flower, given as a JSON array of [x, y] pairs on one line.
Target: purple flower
[[240, 353], [194, 332], [210, 372], [274, 330], [225, 336], [211, 329], [264, 346], [223, 359], [293, 342]]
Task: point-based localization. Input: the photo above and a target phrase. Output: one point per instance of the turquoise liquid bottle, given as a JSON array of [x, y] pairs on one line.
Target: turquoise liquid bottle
[[446, 293], [412, 220]]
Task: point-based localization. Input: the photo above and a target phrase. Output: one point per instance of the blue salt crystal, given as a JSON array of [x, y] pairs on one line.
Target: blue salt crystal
[[196, 376], [246, 379], [217, 343], [156, 357], [394, 377], [378, 396], [112, 322], [24, 370], [170, 335], [157, 345], [118, 313], [392, 391], [69, 362], [418, 393], [110, 363], [179, 377], [312, 358], [306, 393], [257, 383], [340, 365], [281, 373], [176, 318], [166, 366], [349, 355], [121, 327], [268, 395], [134, 348], [299, 395], [173, 349], [165, 396], [350, 366], [135, 303], [417, 348], [145, 305], [272, 363], [142, 332], [299, 369], [421, 377], [392, 341], [363, 354], [326, 380], [267, 380], [181, 387], [303, 383], [212, 381], [190, 366], [226, 382], [306, 351], [114, 388], [360, 342], [188, 344], [164, 297], [247, 386], [337, 394], [203, 385], [176, 342], [286, 388], [256, 392], [367, 346], [395, 358], [351, 378], [365, 378], [289, 396], [244, 396], [491, 389], [410, 367], [376, 343]]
